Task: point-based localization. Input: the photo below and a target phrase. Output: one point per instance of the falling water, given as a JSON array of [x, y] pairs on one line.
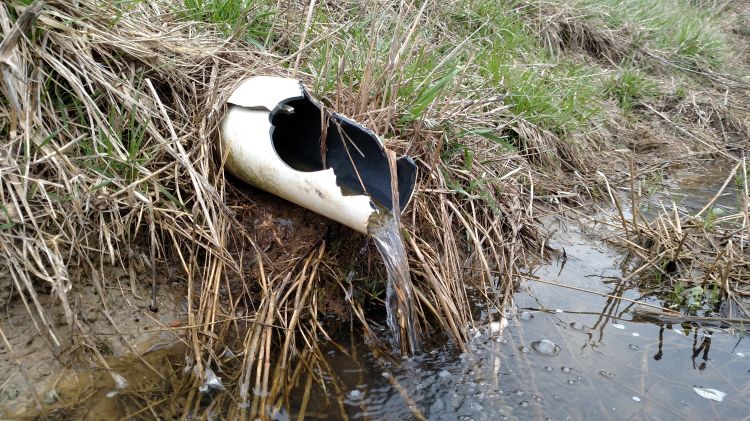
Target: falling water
[[385, 230]]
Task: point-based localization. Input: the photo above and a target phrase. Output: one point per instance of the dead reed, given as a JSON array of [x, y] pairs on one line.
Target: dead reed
[[695, 261], [110, 114], [110, 111]]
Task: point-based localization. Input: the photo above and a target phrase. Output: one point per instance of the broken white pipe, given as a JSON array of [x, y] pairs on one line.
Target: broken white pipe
[[273, 138]]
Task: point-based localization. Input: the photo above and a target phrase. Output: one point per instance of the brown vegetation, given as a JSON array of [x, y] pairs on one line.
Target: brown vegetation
[[111, 187]]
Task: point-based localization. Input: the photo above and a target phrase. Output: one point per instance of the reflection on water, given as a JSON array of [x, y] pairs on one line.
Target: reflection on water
[[565, 354], [152, 380], [690, 192]]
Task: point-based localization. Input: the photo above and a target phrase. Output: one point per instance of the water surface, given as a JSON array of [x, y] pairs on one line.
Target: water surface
[[565, 354]]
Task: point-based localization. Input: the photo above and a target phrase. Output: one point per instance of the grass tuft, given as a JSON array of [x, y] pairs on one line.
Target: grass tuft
[[110, 162], [628, 86], [687, 33]]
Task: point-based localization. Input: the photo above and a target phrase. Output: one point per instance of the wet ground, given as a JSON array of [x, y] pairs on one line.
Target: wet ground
[[29, 366], [565, 354], [691, 191]]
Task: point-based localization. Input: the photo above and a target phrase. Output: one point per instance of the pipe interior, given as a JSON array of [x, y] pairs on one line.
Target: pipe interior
[[355, 154]]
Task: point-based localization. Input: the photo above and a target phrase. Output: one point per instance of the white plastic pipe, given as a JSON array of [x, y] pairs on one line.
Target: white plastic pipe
[[247, 145]]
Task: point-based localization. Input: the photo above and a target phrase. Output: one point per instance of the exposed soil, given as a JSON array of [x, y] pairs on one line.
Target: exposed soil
[[32, 364], [281, 230]]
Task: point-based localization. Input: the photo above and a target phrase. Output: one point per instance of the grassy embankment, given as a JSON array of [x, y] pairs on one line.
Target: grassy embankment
[[511, 110]]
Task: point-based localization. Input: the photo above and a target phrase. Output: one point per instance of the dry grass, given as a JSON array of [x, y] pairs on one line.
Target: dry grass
[[110, 116], [697, 262], [111, 111], [704, 249], [563, 27]]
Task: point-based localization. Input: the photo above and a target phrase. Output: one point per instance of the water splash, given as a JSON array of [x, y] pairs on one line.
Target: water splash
[[385, 231]]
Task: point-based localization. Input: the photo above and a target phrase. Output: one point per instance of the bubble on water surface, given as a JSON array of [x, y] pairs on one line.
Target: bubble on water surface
[[576, 325], [712, 394], [636, 398], [618, 326], [524, 349], [525, 315], [495, 327], [566, 369], [634, 347], [546, 347], [120, 381]]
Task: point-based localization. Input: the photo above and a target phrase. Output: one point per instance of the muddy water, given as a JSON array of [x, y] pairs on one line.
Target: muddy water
[[690, 192], [386, 233]]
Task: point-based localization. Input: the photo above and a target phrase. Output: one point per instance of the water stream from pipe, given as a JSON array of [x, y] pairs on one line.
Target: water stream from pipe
[[386, 232]]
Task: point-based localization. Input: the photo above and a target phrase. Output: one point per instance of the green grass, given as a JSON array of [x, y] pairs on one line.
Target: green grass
[[692, 300], [552, 92], [499, 52], [689, 34], [713, 213], [491, 43], [472, 48], [628, 86], [252, 19], [428, 94], [561, 99]]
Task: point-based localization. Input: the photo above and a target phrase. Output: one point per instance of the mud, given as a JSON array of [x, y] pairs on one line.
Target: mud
[[32, 368], [69, 381]]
